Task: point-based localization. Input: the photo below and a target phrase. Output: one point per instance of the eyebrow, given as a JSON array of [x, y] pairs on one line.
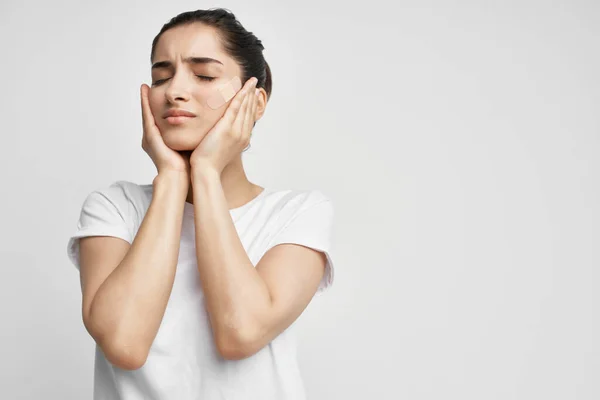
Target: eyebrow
[[189, 60]]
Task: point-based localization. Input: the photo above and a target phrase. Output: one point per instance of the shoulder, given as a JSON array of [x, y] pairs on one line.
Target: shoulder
[[129, 199], [301, 208], [306, 218], [123, 191], [294, 201], [130, 190]]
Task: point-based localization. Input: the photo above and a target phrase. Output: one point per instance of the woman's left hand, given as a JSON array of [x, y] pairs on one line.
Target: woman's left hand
[[230, 135]]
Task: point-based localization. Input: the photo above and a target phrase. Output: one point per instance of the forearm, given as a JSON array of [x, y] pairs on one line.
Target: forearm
[[128, 307], [236, 296]]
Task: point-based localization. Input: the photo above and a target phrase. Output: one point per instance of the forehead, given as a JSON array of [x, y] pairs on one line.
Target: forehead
[[193, 39]]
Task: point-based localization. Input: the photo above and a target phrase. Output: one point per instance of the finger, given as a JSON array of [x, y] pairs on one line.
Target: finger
[[248, 113], [251, 117], [147, 117], [234, 107], [227, 121], [250, 83], [238, 124], [248, 109], [258, 94]]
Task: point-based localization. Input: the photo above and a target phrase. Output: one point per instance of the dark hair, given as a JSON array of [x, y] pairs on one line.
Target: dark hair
[[241, 45]]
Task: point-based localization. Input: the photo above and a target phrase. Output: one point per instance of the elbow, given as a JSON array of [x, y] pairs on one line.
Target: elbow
[[124, 355], [237, 346], [234, 352], [119, 352]]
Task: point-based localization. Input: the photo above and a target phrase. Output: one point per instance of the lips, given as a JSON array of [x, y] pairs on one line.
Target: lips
[[178, 113]]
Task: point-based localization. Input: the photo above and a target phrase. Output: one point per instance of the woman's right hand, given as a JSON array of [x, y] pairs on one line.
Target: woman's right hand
[[163, 157]]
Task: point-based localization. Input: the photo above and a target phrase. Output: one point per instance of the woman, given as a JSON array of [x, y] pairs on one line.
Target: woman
[[191, 284]]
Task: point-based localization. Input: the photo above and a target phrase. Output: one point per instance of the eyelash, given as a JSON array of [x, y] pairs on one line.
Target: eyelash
[[202, 78]]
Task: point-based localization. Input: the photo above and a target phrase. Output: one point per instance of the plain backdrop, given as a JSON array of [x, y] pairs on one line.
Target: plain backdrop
[[459, 141]]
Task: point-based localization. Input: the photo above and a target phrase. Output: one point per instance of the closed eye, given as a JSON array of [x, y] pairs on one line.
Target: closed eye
[[201, 77]]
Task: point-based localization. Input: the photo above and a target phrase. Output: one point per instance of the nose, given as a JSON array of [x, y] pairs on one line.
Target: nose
[[178, 89]]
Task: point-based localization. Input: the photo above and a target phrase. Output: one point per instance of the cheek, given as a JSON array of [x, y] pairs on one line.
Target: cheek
[[155, 105], [208, 114], [201, 95]]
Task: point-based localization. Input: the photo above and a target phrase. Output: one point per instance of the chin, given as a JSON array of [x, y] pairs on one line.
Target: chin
[[181, 140]]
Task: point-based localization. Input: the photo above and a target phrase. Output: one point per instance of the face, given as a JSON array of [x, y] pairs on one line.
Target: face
[[178, 83]]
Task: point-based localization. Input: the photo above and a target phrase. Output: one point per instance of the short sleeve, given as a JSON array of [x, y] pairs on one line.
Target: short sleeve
[[312, 227], [105, 212]]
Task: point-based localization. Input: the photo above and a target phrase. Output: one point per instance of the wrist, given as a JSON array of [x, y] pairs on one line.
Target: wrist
[[174, 180], [203, 172]]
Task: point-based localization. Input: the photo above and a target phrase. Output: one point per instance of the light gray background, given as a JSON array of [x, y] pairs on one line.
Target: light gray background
[[458, 140]]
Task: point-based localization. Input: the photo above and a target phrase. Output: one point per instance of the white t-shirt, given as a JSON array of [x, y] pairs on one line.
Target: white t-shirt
[[183, 363]]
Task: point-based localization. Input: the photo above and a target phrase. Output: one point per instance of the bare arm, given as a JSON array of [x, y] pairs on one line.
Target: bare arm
[[124, 300], [248, 306]]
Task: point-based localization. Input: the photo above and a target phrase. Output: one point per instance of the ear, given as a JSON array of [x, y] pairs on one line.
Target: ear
[[262, 104]]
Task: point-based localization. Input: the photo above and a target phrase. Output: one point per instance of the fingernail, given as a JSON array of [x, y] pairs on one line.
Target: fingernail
[[256, 92]]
